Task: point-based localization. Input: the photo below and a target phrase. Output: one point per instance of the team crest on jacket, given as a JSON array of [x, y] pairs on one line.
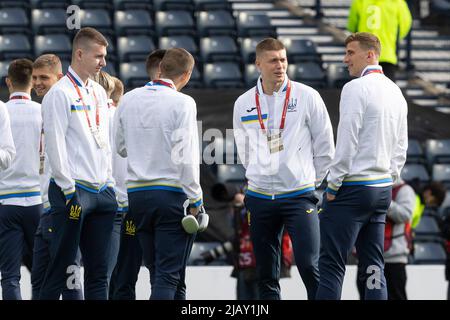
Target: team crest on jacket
[[292, 106]]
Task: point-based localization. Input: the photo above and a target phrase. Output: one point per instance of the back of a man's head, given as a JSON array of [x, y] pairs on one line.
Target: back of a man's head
[[269, 44], [19, 73], [86, 37], [366, 40], [176, 62], [50, 62], [153, 61]]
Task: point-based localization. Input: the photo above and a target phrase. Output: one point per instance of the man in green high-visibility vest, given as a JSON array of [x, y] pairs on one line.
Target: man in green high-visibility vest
[[389, 20]]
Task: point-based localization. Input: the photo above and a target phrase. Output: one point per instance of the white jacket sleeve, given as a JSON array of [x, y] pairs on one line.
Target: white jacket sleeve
[[119, 135], [322, 137], [185, 153], [7, 148], [351, 110], [400, 150], [56, 115], [240, 136]]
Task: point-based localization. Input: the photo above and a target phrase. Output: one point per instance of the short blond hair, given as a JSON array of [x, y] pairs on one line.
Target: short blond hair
[[86, 36], [50, 61], [269, 44], [367, 41], [104, 79]]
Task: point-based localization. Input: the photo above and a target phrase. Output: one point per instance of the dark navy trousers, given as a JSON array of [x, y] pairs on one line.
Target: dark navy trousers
[[267, 218], [356, 217], [41, 257], [85, 222], [164, 242], [17, 228], [114, 251], [129, 261]]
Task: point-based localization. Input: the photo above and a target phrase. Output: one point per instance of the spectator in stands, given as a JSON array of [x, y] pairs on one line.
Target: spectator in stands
[[285, 141], [370, 153], [47, 70], [129, 260], [7, 148], [20, 197], [431, 196], [162, 145], [389, 20], [81, 193]]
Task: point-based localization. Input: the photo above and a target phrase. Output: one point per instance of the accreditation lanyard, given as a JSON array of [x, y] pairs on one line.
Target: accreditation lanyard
[[19, 98], [97, 116], [285, 107], [369, 71], [161, 83]]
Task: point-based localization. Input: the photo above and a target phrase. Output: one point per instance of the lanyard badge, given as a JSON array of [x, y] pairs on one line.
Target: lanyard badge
[[274, 140], [95, 131]]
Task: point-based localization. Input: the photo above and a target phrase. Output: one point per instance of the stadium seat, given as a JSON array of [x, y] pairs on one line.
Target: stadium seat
[[427, 226], [251, 25], [337, 75], [441, 172], [206, 5], [14, 20], [58, 44], [133, 74], [415, 152], [412, 171], [133, 4], [94, 4], [48, 21], [218, 22], [3, 71], [14, 46], [196, 79], [134, 48], [437, 151], [248, 47], [230, 173], [429, 253], [165, 5], [62, 4], [133, 22], [174, 23], [219, 48], [222, 75], [96, 18], [251, 75], [15, 4], [185, 42], [301, 50], [309, 73]]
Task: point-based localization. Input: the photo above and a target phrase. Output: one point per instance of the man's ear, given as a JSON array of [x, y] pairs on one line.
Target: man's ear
[[59, 76], [8, 83]]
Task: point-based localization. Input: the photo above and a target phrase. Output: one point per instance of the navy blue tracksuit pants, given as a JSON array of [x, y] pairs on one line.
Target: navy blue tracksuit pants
[[356, 217], [85, 222], [267, 218], [17, 227], [129, 261], [114, 251], [41, 257], [158, 215]]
